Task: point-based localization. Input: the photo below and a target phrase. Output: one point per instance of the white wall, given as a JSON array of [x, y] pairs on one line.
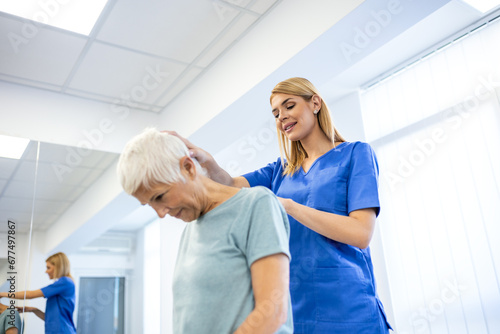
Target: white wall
[[170, 234], [347, 116]]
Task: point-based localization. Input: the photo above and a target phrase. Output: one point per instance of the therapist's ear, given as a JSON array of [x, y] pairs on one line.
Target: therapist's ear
[[316, 101]]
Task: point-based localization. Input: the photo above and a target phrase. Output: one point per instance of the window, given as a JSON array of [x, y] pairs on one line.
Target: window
[[435, 127]]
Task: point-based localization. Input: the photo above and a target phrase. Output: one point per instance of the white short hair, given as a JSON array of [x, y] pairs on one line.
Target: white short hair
[[152, 157]]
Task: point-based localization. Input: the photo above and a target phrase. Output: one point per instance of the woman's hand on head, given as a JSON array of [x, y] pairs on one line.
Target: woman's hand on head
[[195, 152]]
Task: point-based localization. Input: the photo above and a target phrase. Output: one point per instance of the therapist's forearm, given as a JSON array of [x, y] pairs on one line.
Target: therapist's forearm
[[19, 295], [39, 314], [355, 230], [216, 173]]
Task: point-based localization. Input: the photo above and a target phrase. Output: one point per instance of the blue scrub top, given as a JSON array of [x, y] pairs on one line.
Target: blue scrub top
[[331, 283], [60, 306]]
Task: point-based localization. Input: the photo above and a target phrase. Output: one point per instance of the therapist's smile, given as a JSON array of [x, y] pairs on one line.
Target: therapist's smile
[[289, 126]]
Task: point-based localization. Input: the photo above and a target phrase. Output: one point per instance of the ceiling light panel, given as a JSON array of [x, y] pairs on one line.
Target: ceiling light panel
[[483, 5], [12, 147], [78, 16]]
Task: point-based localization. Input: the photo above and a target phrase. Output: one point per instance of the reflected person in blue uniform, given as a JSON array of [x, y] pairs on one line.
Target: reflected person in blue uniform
[[329, 188], [58, 315]]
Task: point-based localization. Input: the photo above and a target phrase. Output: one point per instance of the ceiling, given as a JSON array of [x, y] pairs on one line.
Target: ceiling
[[121, 61], [62, 175], [156, 57]]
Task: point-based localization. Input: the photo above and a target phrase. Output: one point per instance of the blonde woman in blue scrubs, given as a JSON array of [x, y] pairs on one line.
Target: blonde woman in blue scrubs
[[58, 315], [329, 188]]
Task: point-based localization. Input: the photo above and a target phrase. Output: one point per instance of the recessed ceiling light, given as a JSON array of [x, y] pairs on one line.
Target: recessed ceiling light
[[483, 5], [78, 16], [12, 147]]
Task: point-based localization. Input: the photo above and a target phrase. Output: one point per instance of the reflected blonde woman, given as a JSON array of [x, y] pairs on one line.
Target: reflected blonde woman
[[58, 315]]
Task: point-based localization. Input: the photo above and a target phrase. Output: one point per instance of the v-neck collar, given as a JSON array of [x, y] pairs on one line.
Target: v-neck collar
[[319, 158]]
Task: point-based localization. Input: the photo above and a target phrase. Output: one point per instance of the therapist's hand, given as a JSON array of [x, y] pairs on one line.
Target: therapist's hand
[[286, 202], [3, 294], [207, 161], [25, 309], [195, 152]]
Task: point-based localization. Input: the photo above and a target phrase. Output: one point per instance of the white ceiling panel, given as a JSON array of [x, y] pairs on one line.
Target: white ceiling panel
[[107, 160], [51, 173], [236, 28], [91, 177], [3, 182], [178, 86], [15, 205], [31, 151], [41, 54], [110, 99], [50, 207], [22, 220], [19, 189], [112, 71], [51, 153], [260, 6], [8, 167], [75, 193], [179, 31], [29, 82], [44, 221], [46, 191]]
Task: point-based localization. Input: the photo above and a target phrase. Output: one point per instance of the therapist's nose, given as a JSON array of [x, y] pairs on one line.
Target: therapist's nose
[[283, 116]]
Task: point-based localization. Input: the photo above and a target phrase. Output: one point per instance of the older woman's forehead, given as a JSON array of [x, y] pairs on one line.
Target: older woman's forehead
[[145, 194]]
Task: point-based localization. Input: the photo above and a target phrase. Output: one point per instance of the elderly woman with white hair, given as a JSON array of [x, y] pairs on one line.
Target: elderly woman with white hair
[[232, 269]]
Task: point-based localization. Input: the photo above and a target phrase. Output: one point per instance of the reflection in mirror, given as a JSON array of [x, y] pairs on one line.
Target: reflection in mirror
[[78, 210], [18, 170]]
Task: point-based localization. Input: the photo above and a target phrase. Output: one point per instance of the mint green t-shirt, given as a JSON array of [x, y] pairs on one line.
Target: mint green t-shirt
[[8, 319], [212, 285]]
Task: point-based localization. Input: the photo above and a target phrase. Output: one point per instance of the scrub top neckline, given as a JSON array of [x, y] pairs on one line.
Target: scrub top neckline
[[319, 158]]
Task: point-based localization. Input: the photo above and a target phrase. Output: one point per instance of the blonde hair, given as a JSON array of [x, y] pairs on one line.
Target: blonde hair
[[293, 150], [61, 265]]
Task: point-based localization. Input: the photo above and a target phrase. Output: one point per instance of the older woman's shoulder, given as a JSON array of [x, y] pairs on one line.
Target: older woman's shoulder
[[258, 192]]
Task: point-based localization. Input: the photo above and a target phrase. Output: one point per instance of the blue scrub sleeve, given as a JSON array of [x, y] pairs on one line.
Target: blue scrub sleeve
[[56, 288], [362, 184], [262, 177]]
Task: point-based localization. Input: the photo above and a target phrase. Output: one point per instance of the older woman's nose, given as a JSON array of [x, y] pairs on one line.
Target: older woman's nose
[[161, 210]]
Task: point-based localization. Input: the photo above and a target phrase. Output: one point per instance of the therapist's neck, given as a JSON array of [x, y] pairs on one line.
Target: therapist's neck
[[316, 144]]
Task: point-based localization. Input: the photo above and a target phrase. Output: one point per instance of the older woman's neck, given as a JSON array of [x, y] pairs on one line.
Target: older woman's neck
[[216, 193]]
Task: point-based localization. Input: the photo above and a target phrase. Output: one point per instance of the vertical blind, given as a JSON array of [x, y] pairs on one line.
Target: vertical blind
[[435, 127]]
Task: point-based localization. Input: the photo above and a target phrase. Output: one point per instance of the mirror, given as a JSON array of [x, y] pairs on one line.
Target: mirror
[[61, 198]]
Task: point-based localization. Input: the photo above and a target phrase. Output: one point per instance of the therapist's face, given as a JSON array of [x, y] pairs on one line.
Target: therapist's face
[[294, 116], [50, 269], [180, 200]]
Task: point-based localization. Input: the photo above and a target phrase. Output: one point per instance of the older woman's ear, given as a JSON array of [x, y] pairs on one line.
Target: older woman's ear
[[187, 166]]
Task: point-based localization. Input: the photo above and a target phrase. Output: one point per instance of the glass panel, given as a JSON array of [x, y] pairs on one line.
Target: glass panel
[[101, 306]]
